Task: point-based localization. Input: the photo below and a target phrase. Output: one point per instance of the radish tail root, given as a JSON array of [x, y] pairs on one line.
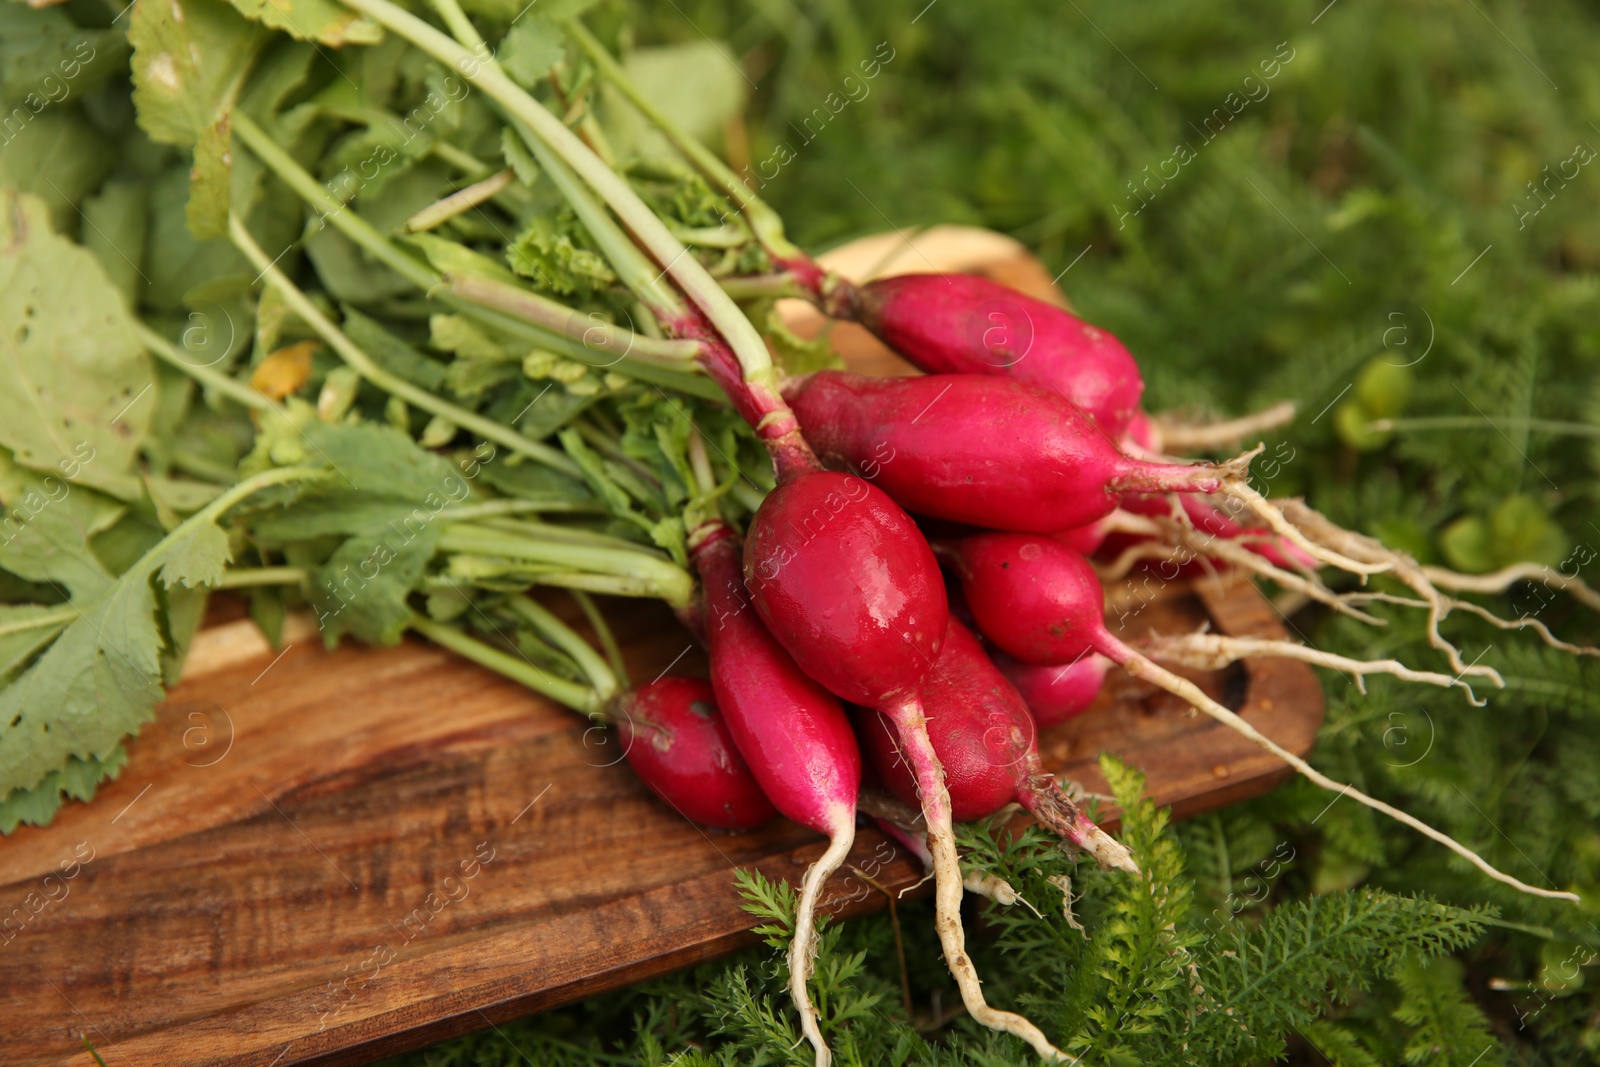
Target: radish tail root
[[912, 728], [1209, 652], [1182, 533], [1501, 580], [1406, 571], [1240, 489], [1141, 667], [1052, 807], [802, 949], [1178, 436]]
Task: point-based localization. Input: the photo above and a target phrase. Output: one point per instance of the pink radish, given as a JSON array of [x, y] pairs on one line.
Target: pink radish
[[679, 746], [1055, 693], [792, 732], [844, 581], [991, 452], [986, 740], [964, 324], [1040, 601]]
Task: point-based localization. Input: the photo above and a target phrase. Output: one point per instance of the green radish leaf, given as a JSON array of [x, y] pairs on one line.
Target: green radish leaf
[[117, 223], [190, 59], [362, 589], [47, 528], [79, 779], [533, 45], [58, 157], [74, 379], [451, 257], [698, 86], [391, 353], [46, 59], [24, 630], [101, 678], [547, 253], [324, 21]]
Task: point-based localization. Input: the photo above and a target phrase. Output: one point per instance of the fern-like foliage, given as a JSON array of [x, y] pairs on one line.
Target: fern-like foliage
[[1446, 1028]]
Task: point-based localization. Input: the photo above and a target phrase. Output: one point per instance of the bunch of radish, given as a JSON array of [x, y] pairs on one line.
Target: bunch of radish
[[1030, 439]]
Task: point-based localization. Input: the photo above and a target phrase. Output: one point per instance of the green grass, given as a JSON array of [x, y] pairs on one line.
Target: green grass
[[1369, 203]]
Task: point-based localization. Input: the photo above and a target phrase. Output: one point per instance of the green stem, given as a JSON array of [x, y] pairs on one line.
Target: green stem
[[669, 581], [558, 633], [765, 223], [363, 365], [341, 217], [637, 272], [245, 577], [757, 286], [165, 351], [595, 334], [602, 630], [564, 535], [491, 509], [650, 231], [633, 267], [577, 697], [1478, 422]]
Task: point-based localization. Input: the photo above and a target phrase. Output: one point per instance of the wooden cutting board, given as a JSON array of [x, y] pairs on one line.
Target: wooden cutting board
[[327, 857], [323, 857]]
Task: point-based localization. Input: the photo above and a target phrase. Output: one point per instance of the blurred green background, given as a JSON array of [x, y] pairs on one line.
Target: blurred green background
[[1382, 211]]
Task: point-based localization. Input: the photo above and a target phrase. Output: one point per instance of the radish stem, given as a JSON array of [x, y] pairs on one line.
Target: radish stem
[[575, 696], [594, 333], [459, 202], [602, 631], [764, 222], [558, 633], [247, 577], [347, 221], [363, 364], [231, 388], [666, 580], [667, 250]]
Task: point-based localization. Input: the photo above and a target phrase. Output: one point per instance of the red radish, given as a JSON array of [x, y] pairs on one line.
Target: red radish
[[964, 324], [991, 452], [791, 731], [1040, 601], [1058, 692], [986, 741], [844, 581], [679, 746]]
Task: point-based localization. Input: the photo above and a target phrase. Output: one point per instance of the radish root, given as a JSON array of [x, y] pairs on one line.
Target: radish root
[[1180, 531], [1052, 807], [912, 728], [1238, 488], [1204, 651], [1501, 580], [1141, 667], [1178, 435], [803, 947]]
